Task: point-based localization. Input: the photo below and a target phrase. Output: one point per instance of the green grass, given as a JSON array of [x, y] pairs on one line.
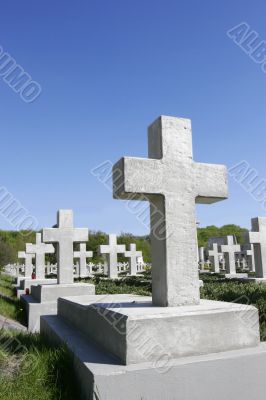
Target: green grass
[[10, 306], [31, 369]]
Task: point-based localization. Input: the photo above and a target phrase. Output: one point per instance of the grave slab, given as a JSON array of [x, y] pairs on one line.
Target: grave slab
[[43, 300], [121, 324], [219, 376], [30, 283]]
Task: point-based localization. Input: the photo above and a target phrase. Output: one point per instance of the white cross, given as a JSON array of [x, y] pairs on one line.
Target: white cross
[[111, 250], [257, 237], [39, 250], [133, 254], [229, 249], [83, 254], [172, 182], [65, 235], [28, 262], [214, 257]]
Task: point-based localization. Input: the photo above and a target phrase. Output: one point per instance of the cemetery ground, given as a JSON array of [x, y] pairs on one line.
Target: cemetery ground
[[31, 368]]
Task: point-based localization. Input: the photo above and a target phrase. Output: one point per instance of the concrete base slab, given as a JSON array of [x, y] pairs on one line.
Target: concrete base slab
[[35, 310], [47, 293], [27, 284], [253, 280], [238, 374], [43, 300], [234, 276], [17, 281], [133, 330]]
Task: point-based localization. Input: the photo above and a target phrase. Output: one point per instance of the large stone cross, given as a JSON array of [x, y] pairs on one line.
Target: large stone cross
[[111, 250], [65, 235], [214, 257], [172, 182], [229, 249], [28, 262], [39, 250], [257, 237], [132, 254], [83, 254]]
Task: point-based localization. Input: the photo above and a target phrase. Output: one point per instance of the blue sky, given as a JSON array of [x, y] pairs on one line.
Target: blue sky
[[109, 68]]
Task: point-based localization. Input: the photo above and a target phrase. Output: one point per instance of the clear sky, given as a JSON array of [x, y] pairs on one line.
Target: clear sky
[[107, 69]]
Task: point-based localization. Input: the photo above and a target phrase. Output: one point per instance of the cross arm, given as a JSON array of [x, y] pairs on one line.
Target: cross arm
[[210, 182], [80, 234], [253, 237], [104, 249], [50, 235], [30, 248], [225, 248], [133, 178]]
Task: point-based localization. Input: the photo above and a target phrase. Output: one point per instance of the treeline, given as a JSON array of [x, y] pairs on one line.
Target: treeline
[[214, 231], [13, 241]]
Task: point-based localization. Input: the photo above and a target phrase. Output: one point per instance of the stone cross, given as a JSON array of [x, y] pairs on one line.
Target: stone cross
[[250, 258], [64, 235], [111, 250], [214, 258], [39, 250], [133, 254], [83, 254], [28, 262], [229, 249], [201, 258], [257, 237], [172, 182]]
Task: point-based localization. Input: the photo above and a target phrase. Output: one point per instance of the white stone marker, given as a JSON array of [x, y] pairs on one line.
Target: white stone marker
[[28, 262], [83, 254], [172, 182], [111, 250], [201, 258], [257, 237], [229, 249], [39, 250], [133, 255], [214, 258], [251, 258], [65, 235]]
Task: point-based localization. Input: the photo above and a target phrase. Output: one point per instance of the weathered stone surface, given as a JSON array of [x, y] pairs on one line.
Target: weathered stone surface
[[130, 328], [172, 182]]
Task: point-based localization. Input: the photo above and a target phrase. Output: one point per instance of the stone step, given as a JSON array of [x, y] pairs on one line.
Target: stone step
[[208, 377], [130, 328]]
